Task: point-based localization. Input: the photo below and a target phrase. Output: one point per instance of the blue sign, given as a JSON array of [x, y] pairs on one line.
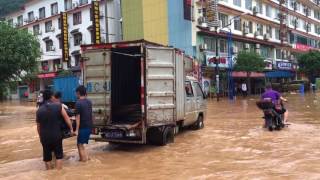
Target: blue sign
[[284, 65]]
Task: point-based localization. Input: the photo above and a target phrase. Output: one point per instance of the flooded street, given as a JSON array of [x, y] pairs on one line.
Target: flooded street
[[233, 145]]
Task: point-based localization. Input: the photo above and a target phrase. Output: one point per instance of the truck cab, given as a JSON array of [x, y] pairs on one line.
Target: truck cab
[[195, 104]]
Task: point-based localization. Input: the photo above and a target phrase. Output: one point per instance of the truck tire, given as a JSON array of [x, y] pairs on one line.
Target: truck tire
[[199, 124], [161, 136]]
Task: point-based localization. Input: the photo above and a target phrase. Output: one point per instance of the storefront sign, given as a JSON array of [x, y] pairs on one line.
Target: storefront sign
[[65, 36], [284, 65], [222, 61], [302, 47], [96, 22], [212, 13], [48, 75]]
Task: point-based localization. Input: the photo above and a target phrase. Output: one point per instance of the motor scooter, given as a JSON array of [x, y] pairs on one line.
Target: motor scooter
[[273, 120]]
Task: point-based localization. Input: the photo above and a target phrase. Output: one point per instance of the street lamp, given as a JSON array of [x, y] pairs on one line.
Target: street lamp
[[230, 63]]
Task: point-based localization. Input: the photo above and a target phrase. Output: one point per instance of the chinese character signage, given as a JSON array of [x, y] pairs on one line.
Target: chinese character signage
[[96, 22], [212, 13], [302, 47], [284, 65], [65, 36]]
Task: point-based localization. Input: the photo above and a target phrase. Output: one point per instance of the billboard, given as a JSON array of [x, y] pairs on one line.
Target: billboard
[[96, 22], [65, 36]]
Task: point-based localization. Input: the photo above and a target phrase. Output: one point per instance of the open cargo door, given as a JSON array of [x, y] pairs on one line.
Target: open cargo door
[[160, 86], [97, 78]]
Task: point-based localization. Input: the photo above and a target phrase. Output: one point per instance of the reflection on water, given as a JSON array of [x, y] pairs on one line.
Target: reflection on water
[[232, 146]]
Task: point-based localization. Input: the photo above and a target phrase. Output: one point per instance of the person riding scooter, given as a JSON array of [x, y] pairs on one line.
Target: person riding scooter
[[277, 100]]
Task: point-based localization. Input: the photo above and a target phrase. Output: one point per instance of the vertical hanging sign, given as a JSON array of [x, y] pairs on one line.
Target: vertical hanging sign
[[96, 22], [65, 36]]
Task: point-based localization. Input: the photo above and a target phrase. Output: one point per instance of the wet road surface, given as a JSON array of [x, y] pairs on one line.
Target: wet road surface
[[233, 145]]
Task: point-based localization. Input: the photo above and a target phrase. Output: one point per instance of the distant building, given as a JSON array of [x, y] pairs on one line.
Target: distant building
[[43, 19]]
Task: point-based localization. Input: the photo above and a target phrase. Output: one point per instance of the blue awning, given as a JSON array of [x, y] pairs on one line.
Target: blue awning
[[279, 74]]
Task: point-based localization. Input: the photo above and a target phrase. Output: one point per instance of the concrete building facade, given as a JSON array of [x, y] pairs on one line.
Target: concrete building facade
[[43, 19]]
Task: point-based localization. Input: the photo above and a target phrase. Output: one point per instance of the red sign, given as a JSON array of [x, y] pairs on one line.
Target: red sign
[[221, 60], [303, 47], [48, 75]]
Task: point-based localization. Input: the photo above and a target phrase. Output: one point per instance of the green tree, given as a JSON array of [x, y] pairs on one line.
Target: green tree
[[249, 62], [19, 51], [309, 64], [8, 6]]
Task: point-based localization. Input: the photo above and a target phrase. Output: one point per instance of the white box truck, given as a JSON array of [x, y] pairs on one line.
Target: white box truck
[[140, 92]]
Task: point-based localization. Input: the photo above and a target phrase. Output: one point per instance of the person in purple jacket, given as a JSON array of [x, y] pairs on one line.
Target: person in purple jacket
[[277, 100]]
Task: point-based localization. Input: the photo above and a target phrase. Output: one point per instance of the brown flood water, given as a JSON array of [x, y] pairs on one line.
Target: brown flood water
[[233, 145]]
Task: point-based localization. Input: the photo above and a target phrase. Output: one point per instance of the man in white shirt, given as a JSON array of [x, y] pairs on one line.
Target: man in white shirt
[[244, 89]]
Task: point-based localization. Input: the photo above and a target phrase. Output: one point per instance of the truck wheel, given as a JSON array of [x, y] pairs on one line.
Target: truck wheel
[[160, 137], [199, 124]]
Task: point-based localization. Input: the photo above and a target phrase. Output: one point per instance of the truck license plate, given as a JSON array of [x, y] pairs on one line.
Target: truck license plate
[[114, 134]]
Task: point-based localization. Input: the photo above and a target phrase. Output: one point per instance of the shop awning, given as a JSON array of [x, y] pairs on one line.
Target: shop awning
[[242, 74], [279, 74]]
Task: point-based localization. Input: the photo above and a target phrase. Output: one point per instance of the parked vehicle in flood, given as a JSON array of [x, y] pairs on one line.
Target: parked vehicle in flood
[[140, 92]]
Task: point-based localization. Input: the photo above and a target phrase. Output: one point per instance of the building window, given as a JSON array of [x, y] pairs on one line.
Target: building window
[[223, 46], [48, 25], [36, 29], [56, 64], [250, 27], [259, 7], [77, 39], [67, 4], [60, 42], [224, 19], [59, 23], [268, 10], [42, 13], [77, 18], [237, 2], [30, 16], [259, 30], [10, 22], [92, 37], [77, 59], [269, 31], [211, 43], [248, 4], [237, 24], [83, 2], [278, 54], [45, 66], [49, 45], [277, 33], [317, 14], [54, 9], [20, 21]]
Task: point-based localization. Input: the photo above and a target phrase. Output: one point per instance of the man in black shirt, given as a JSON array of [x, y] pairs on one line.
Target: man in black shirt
[[84, 121], [49, 129]]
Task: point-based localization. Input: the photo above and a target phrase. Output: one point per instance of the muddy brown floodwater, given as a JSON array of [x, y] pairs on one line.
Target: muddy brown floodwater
[[232, 145]]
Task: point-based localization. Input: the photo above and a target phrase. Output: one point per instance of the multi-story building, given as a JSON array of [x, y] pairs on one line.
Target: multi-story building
[[167, 22], [43, 19], [277, 29]]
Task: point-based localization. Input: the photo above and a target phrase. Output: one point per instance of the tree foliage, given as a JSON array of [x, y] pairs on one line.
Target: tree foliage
[[19, 51], [249, 62], [309, 63], [8, 6]]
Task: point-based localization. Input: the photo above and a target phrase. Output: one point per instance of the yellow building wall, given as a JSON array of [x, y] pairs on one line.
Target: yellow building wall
[[155, 21], [132, 20]]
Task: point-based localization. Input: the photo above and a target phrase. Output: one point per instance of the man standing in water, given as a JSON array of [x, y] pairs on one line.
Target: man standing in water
[[49, 129], [84, 121]]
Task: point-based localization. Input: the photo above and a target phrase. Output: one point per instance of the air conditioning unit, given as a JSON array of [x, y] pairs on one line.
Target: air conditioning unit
[[36, 18], [235, 50], [202, 22], [246, 46], [52, 29], [246, 30], [266, 36], [255, 10], [257, 46], [40, 33], [26, 20], [75, 5], [203, 47], [256, 34], [52, 48]]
